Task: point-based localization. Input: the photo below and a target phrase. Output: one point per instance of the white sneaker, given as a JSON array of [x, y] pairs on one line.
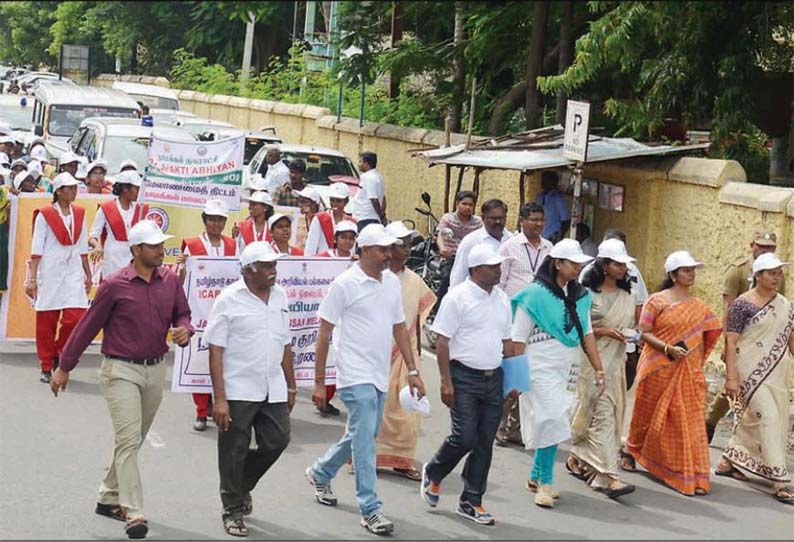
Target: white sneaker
[[377, 523]]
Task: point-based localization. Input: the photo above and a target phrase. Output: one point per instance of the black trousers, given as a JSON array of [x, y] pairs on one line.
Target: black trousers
[[361, 224], [241, 468], [475, 419]]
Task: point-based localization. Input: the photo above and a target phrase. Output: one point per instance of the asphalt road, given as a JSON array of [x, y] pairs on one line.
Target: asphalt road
[[53, 453]]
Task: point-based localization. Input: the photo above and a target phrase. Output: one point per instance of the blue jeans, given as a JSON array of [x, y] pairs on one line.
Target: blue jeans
[[364, 403]]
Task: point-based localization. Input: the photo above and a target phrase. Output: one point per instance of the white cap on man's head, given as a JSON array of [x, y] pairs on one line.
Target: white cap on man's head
[[679, 259], [615, 250], [98, 163], [5, 138], [64, 179], [39, 153], [376, 235], [20, 177], [261, 196], [766, 262], [398, 229], [129, 177], [128, 163], [35, 169], [311, 193], [147, 232], [275, 218], [68, 157], [345, 225], [259, 251], [19, 162], [216, 207], [339, 191], [484, 254], [569, 249]]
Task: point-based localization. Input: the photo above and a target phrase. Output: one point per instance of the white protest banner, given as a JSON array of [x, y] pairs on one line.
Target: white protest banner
[[204, 280], [305, 280], [186, 174]]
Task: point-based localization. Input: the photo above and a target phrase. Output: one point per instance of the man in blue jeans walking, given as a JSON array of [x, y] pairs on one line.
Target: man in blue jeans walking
[[364, 304], [473, 326]]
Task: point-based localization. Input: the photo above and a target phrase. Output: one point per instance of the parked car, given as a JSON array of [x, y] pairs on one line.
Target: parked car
[[115, 140], [153, 96], [18, 116], [60, 109], [167, 116]]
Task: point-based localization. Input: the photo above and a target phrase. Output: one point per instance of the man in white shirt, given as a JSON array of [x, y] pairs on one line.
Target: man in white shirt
[[473, 326], [369, 204], [252, 379], [277, 173], [493, 233], [365, 306]]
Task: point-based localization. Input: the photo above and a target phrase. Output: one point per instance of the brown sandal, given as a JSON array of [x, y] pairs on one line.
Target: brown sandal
[[112, 511], [785, 494], [627, 461]]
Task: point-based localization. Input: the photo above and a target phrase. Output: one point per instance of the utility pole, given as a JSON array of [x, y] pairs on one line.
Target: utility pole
[[249, 44], [396, 37]]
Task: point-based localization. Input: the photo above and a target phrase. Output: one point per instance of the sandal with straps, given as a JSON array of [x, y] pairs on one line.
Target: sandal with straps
[[137, 528], [235, 526], [785, 494], [627, 461], [112, 511]]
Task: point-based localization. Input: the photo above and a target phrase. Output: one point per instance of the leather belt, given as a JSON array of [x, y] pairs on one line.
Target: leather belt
[[144, 361], [482, 372]]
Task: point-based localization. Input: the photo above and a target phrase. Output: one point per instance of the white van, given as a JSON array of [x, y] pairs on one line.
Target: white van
[[60, 109], [153, 96]]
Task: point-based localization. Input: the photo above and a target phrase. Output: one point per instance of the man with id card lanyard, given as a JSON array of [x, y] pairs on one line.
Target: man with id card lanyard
[[526, 251]]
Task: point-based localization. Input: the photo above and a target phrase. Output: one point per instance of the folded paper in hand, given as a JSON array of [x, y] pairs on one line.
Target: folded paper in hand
[[410, 403]]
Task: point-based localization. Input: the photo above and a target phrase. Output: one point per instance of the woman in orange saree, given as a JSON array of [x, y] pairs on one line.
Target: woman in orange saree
[[667, 434]]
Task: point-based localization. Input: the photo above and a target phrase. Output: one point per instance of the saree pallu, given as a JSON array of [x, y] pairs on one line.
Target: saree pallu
[[667, 434], [399, 430], [760, 430], [597, 420]]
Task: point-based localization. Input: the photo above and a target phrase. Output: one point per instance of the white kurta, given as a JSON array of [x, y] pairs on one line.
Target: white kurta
[[60, 277], [117, 253], [545, 408]]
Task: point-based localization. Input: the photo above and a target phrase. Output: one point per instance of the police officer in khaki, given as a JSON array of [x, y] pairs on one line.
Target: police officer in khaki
[[738, 279]]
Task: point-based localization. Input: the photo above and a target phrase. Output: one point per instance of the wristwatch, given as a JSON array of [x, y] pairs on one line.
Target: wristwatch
[[413, 372]]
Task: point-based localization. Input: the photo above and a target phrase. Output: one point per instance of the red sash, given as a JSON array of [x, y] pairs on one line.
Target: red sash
[[116, 223], [57, 226], [327, 224], [293, 251], [197, 248], [247, 231]]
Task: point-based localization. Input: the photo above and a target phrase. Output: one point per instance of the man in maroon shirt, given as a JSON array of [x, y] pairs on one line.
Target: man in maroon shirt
[[135, 307]]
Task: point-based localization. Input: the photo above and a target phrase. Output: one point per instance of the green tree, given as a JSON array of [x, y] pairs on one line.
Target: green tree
[[25, 30]]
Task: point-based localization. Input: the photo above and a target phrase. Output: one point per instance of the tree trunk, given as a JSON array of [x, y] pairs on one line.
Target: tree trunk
[[396, 37], [535, 64], [566, 56], [134, 59], [458, 71]]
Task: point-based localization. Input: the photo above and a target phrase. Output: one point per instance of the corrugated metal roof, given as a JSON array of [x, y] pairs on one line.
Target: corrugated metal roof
[[84, 95], [542, 149]]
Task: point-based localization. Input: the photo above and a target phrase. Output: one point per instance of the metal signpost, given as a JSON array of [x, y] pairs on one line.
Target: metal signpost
[[75, 60], [577, 133]]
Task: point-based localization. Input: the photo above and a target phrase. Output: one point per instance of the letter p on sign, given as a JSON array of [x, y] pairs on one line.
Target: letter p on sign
[[577, 127]]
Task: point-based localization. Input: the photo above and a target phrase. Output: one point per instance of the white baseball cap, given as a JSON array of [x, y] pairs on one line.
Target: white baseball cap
[[20, 177], [67, 158], [678, 259], [339, 191], [259, 251], [5, 128], [309, 193], [398, 229], [5, 138], [128, 163], [569, 249], [19, 162], [762, 263], [64, 179], [262, 196], [4, 159], [100, 163], [484, 254], [345, 225], [35, 169], [147, 232], [276, 217], [216, 207], [376, 235], [39, 153], [615, 250], [129, 177]]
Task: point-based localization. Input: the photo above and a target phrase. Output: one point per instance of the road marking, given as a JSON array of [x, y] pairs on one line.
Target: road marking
[[155, 440]]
